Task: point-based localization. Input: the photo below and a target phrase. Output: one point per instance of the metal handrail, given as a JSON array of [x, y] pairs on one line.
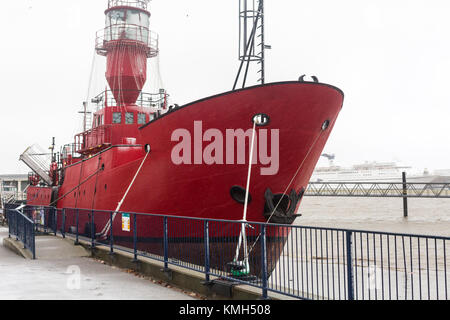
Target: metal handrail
[[93, 138], [142, 4], [146, 100], [23, 228], [127, 32], [313, 263]]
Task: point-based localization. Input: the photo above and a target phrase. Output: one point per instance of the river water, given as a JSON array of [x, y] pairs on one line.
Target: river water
[[425, 217], [314, 262]]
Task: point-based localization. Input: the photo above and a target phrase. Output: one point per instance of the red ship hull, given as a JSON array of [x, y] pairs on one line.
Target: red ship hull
[[298, 110]]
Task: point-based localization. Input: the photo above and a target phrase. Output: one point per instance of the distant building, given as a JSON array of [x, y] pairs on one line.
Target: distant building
[[13, 185]]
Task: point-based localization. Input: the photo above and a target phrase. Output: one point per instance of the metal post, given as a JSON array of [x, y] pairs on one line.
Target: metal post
[[264, 261], [350, 276], [24, 233], [166, 245], [111, 241], [135, 238], [77, 223], [405, 196], [55, 220], [17, 224], [8, 216], [63, 227], [207, 265], [92, 230], [33, 241]]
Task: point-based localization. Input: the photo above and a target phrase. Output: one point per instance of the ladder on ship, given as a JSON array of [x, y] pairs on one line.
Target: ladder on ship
[[251, 40], [38, 162]]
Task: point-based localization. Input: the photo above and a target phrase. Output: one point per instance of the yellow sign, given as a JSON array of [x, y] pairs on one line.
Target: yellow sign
[[125, 222]]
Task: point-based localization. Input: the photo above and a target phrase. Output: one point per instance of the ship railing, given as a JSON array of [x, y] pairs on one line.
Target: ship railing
[[69, 150], [94, 138], [146, 100], [285, 261], [129, 32], [22, 228], [142, 4]]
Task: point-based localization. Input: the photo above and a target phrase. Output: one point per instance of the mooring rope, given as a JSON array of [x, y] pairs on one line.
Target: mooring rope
[[243, 236], [81, 183], [292, 180], [119, 205]]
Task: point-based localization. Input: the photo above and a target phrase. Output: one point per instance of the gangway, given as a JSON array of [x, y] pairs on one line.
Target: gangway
[[38, 161]]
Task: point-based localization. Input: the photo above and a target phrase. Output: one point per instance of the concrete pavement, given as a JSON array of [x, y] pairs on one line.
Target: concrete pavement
[[64, 271]]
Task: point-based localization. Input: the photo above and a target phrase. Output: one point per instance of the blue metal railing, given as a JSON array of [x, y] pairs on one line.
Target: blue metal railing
[[22, 228], [296, 261]]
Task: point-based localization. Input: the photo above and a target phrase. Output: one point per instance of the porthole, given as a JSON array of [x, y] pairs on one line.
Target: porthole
[[325, 125], [147, 148], [261, 119]]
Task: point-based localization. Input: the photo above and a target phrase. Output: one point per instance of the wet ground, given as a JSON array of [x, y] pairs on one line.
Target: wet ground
[[64, 271]]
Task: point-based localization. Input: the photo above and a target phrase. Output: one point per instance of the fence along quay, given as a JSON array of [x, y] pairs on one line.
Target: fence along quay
[[315, 263]]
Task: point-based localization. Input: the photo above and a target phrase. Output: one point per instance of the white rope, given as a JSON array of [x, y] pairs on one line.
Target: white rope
[[292, 180], [119, 205], [243, 236], [295, 175]]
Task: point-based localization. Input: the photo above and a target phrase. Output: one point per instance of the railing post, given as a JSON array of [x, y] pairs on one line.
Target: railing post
[[55, 220], [264, 261], [24, 233], [63, 227], [207, 263], [135, 238], [350, 278], [405, 195], [45, 221], [92, 230], [17, 225], [111, 240], [33, 240], [8, 216], [77, 224], [166, 244]]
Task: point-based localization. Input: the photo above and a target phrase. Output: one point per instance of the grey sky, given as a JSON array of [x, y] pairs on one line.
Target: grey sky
[[391, 58]]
